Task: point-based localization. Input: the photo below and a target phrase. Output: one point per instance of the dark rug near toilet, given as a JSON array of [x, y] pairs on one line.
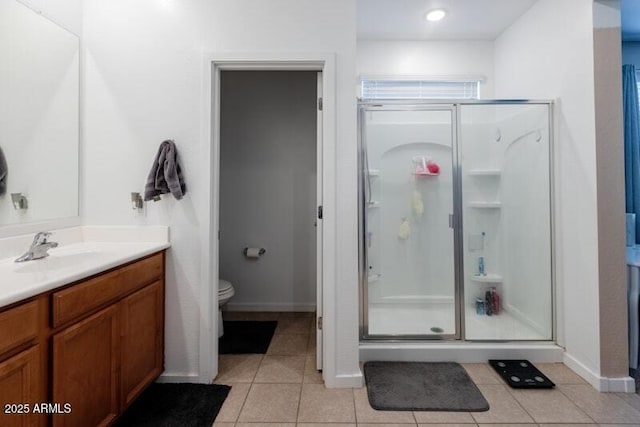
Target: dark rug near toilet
[[421, 386], [173, 405], [521, 374], [246, 336]]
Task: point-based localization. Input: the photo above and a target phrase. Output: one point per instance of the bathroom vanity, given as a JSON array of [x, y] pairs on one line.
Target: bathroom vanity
[[80, 352]]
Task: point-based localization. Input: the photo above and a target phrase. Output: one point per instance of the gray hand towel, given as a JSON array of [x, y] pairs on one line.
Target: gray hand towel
[[4, 171], [166, 174]]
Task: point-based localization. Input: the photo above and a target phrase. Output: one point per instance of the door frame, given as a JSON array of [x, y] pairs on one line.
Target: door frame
[[214, 63]]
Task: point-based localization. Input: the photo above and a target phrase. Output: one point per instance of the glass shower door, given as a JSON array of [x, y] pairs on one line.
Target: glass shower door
[[407, 188], [504, 153]]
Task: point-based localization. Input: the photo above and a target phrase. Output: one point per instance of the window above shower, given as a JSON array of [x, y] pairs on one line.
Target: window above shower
[[415, 88]]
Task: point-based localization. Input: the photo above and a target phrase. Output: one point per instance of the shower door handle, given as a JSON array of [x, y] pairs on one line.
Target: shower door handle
[[451, 221]]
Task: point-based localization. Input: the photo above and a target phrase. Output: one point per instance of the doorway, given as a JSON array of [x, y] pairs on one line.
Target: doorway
[[269, 190]]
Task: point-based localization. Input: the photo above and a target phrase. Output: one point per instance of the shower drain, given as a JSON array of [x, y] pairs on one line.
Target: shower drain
[[437, 330]]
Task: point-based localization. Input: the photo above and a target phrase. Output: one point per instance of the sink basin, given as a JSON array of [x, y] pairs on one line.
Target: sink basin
[[59, 260]]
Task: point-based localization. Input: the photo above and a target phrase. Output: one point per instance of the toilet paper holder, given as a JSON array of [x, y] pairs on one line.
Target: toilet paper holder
[[261, 252]]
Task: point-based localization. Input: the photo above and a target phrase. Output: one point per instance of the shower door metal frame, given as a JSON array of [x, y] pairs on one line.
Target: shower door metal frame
[[454, 106], [412, 105]]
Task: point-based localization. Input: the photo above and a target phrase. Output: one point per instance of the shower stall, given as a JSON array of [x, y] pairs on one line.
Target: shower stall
[[456, 220]]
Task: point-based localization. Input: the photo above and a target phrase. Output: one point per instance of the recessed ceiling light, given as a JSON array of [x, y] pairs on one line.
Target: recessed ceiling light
[[436, 15]]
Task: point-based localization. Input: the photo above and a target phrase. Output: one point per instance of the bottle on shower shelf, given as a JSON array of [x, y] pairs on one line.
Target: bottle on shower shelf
[[481, 271], [488, 303], [495, 301]]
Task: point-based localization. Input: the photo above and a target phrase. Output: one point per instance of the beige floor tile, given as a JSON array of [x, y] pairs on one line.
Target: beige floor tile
[[288, 345], [297, 314], [265, 424], [250, 315], [293, 325], [550, 406], [311, 344], [449, 425], [311, 374], [386, 425], [223, 424], [443, 417], [271, 403], [237, 368], [604, 408], [504, 408], [617, 425], [560, 374], [319, 404], [327, 425], [632, 399], [518, 425], [366, 414], [233, 403], [482, 373], [280, 369], [566, 425]]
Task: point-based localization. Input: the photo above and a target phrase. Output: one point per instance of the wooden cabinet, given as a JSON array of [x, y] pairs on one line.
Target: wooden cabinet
[[20, 388], [142, 317], [94, 345], [85, 370]]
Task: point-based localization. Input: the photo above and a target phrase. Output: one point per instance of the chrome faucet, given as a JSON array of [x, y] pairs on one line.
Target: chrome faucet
[[39, 247]]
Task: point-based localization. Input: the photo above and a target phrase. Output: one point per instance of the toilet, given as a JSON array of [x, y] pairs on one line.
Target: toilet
[[225, 293]]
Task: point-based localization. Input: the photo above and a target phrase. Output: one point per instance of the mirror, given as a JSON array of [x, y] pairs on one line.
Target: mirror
[[39, 117]]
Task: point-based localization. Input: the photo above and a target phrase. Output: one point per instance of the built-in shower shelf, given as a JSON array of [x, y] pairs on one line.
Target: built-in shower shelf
[[425, 174], [487, 278], [373, 204], [485, 172], [374, 172], [485, 205]]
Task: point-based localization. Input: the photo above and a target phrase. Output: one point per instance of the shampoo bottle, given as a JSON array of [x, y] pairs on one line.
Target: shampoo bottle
[[495, 301]]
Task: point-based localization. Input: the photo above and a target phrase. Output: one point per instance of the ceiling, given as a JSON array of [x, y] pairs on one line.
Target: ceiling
[[630, 11], [466, 19]]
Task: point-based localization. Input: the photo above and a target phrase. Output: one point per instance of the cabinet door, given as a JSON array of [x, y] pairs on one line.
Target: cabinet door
[[19, 386], [85, 366], [142, 340]]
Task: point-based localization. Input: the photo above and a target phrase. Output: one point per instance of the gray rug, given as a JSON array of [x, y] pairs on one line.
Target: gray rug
[[419, 386]]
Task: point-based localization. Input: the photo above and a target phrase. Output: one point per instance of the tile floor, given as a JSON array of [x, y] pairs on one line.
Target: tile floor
[[283, 389]]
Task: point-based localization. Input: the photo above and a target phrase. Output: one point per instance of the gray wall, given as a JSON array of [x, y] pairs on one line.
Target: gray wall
[[268, 188]]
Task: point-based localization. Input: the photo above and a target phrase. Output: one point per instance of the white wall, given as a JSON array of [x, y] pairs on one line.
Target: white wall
[[268, 188], [462, 58], [144, 71], [66, 13], [548, 54]]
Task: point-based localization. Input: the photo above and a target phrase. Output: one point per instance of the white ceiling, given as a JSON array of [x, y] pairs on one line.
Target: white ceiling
[[466, 19]]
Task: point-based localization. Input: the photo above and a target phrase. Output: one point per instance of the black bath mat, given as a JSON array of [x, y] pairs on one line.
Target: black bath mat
[[420, 386], [521, 374], [173, 405], [246, 336]]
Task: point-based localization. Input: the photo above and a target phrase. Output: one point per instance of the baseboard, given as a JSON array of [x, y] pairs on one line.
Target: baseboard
[[345, 381], [603, 384], [178, 378], [231, 306]]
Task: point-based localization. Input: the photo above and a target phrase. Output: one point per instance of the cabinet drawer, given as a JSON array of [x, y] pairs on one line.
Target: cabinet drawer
[[19, 325], [73, 302]]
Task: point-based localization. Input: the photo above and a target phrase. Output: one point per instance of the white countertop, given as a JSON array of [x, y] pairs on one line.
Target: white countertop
[[76, 258]]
